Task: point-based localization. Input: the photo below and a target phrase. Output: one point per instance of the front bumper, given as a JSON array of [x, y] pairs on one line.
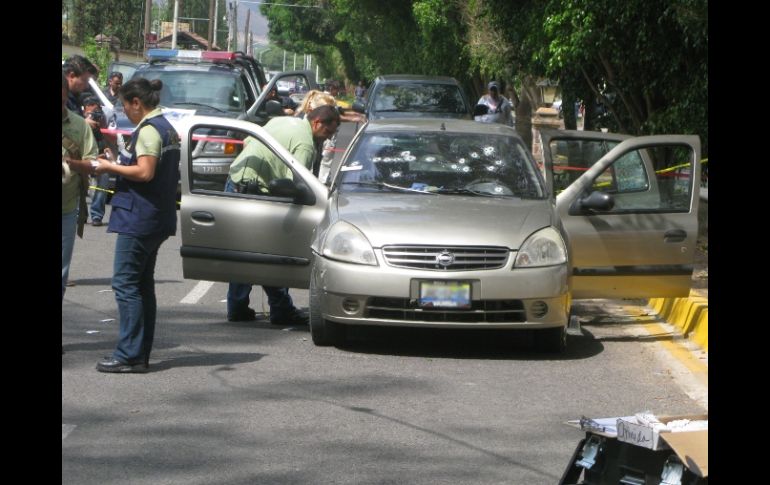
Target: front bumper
[[383, 295]]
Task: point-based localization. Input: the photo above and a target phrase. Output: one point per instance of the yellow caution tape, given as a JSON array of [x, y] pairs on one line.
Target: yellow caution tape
[[179, 203]]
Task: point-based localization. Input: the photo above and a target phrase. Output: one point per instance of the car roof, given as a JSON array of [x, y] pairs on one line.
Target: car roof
[[435, 125], [393, 78]]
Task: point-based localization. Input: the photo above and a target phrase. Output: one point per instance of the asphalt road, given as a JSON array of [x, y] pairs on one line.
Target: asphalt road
[[252, 403]]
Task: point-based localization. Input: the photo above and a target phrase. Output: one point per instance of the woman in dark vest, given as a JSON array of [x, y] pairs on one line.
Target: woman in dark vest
[[143, 215]]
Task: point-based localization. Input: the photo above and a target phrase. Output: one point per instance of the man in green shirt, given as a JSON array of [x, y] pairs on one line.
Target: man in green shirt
[[256, 166], [78, 149], [301, 137]]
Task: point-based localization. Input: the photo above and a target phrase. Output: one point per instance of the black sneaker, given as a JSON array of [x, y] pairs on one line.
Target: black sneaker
[[117, 367], [294, 318], [249, 315]]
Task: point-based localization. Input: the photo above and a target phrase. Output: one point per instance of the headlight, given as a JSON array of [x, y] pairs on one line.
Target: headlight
[[345, 243], [217, 148], [543, 248]]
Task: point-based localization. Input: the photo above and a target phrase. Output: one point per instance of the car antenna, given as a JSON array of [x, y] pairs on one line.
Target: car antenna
[[443, 127]]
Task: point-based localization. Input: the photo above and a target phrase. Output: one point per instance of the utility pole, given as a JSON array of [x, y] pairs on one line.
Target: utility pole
[[284, 60], [147, 23], [235, 25], [246, 33], [176, 24], [212, 23], [216, 19]]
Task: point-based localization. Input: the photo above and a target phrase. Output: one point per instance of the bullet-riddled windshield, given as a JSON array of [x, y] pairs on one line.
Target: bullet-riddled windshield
[[442, 163]]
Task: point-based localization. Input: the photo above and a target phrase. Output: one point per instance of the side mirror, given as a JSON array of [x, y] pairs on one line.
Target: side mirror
[[273, 108], [299, 193], [359, 107], [595, 202]]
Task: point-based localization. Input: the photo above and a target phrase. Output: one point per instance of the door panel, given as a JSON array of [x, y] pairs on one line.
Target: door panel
[[256, 238], [644, 245]]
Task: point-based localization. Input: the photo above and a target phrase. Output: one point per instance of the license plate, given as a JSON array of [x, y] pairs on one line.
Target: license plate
[[445, 294], [209, 169]]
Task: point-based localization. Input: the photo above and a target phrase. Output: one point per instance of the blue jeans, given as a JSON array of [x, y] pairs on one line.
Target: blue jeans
[[281, 304], [100, 197], [134, 285], [69, 225]]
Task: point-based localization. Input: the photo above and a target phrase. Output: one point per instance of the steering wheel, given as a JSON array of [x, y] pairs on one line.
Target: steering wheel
[[488, 185]]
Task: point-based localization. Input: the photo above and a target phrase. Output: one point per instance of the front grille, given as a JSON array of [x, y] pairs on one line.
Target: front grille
[[482, 311], [445, 258]]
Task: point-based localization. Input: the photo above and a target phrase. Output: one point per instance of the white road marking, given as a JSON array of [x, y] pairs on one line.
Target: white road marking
[[198, 292], [66, 429]]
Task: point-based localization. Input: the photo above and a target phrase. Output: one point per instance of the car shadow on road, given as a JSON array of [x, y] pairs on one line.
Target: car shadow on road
[[489, 344]]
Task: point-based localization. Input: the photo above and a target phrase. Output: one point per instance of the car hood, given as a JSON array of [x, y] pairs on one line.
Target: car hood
[[443, 219], [417, 114]]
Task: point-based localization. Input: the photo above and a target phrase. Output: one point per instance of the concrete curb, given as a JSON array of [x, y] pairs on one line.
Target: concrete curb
[[690, 315]]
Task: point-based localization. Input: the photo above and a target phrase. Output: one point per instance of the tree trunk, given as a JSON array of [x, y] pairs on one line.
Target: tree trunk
[[524, 119]]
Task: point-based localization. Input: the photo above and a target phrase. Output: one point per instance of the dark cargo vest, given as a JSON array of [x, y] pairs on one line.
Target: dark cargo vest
[[148, 208]]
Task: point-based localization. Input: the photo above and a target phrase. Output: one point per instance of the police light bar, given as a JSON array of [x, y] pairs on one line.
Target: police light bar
[[189, 55]]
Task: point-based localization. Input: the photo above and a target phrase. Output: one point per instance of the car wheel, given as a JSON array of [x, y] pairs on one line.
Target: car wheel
[[551, 340], [322, 331]]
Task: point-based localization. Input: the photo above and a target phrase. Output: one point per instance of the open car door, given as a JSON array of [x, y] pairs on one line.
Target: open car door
[[629, 207], [260, 237]]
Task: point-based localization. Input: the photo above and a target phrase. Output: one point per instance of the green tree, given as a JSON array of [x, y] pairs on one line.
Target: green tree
[[615, 50], [100, 56], [123, 20]]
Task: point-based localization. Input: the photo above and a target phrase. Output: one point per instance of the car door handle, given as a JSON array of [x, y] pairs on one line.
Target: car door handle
[[674, 236], [202, 216]]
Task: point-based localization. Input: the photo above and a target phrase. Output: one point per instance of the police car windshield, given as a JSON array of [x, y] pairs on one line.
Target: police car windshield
[[221, 91]]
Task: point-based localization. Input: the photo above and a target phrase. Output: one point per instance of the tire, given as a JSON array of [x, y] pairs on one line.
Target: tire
[[322, 331], [551, 340]]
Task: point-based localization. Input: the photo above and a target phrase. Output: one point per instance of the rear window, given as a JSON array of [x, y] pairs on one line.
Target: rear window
[[220, 90], [419, 97]]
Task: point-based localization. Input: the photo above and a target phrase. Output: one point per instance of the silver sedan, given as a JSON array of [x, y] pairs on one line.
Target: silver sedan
[[450, 223]]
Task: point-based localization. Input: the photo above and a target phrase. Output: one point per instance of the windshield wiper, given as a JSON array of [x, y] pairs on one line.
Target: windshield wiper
[[464, 191], [199, 104], [383, 185]]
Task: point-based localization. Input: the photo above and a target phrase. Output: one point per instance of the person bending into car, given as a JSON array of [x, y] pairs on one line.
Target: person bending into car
[[143, 215], [251, 173]]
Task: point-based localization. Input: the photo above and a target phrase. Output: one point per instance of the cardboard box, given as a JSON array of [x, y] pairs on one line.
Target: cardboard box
[[631, 431], [691, 447]]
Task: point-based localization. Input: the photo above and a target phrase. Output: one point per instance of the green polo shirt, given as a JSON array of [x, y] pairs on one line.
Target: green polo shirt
[[76, 129], [257, 161], [149, 142]]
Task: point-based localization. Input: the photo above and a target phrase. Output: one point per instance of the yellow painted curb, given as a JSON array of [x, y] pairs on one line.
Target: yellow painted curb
[[690, 315]]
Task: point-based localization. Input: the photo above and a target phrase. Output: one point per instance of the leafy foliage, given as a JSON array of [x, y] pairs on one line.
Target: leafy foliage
[[640, 66], [100, 56], [91, 18]]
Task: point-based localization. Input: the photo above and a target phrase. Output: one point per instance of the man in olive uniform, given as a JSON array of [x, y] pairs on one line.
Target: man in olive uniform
[[78, 149]]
